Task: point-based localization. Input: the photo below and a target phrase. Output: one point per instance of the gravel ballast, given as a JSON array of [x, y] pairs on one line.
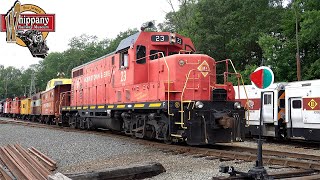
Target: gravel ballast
[[80, 152]]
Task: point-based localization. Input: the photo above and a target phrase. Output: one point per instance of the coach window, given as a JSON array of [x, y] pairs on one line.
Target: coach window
[[124, 59], [75, 74], [141, 54], [296, 104], [267, 99]]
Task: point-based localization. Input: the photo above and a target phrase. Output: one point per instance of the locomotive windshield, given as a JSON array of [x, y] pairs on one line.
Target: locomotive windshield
[[155, 53]]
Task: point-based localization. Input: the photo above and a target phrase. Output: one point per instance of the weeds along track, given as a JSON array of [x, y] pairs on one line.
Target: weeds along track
[[223, 152]]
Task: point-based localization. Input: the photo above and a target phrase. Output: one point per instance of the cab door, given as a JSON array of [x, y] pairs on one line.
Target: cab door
[[295, 115], [141, 68], [268, 107]]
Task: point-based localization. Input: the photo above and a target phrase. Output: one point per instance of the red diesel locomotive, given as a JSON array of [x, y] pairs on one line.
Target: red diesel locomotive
[[154, 86]]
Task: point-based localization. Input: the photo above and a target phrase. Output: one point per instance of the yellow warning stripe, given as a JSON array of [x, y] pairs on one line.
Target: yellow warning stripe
[[139, 105], [121, 106], [110, 106], [155, 105]]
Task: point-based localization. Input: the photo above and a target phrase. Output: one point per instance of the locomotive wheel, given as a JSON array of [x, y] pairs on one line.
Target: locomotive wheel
[[82, 123], [133, 135], [46, 120], [150, 132], [42, 120], [89, 124], [168, 141], [73, 122]]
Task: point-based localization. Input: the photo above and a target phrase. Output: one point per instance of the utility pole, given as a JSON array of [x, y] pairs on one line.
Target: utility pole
[[25, 91], [32, 89], [6, 87], [297, 44]]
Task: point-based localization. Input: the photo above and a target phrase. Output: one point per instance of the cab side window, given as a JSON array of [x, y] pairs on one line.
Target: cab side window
[[124, 60], [141, 54]]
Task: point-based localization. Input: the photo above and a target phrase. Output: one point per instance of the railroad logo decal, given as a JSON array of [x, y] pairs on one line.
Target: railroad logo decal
[[250, 104], [28, 25], [177, 104], [312, 103], [204, 68]]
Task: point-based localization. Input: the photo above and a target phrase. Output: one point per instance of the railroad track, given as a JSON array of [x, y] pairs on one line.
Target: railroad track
[[224, 152]]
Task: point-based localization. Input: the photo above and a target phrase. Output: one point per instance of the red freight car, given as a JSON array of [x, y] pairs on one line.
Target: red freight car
[[154, 86], [51, 102], [15, 106], [36, 107], [7, 106]]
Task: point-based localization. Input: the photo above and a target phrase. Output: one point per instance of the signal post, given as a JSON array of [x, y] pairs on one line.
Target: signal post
[[262, 78]]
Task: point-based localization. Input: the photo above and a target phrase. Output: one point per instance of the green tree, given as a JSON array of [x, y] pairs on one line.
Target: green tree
[[81, 50], [279, 48]]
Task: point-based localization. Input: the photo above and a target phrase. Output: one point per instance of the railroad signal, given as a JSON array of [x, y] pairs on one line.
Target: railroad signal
[[262, 77]]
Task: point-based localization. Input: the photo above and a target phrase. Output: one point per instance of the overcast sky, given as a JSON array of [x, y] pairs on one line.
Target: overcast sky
[[104, 19]]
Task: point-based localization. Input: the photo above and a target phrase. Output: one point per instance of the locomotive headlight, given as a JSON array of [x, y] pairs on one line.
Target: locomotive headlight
[[172, 38], [199, 104], [237, 105]]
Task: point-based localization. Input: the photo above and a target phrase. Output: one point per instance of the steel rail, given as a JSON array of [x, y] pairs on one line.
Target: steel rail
[[286, 159]]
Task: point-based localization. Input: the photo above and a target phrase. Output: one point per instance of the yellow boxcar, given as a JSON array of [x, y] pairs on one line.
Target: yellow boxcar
[[25, 107]]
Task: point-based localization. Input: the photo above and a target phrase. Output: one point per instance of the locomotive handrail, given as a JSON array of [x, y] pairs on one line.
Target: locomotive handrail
[[181, 99], [245, 91], [165, 61], [62, 95], [168, 104]]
